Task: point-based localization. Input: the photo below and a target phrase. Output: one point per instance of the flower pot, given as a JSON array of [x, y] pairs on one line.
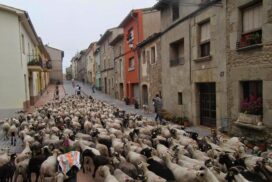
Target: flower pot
[[186, 124], [249, 118]]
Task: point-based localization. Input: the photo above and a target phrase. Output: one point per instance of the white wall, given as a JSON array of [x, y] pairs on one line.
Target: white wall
[[12, 87]]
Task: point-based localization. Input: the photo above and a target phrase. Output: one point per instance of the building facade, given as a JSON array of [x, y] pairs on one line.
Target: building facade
[[56, 55], [249, 58], [118, 51], [194, 60], [137, 26], [24, 68], [107, 61], [81, 70], [150, 69], [98, 81], [91, 63]]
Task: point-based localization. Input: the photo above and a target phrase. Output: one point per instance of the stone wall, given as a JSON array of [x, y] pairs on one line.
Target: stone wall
[[248, 64], [151, 73]]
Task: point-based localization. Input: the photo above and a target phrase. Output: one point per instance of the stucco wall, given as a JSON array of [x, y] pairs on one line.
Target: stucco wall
[[176, 79], [185, 77], [213, 69], [151, 23], [13, 92]]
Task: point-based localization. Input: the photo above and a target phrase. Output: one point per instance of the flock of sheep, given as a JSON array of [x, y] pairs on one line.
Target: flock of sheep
[[121, 147]]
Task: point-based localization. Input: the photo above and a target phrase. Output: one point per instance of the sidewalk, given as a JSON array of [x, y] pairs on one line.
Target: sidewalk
[[87, 90], [47, 96]]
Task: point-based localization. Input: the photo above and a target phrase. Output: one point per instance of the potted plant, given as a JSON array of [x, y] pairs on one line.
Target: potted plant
[[185, 121], [251, 110]]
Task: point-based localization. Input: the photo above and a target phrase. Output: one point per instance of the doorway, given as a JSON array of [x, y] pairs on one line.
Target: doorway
[[145, 94], [105, 86], [207, 104], [121, 88]]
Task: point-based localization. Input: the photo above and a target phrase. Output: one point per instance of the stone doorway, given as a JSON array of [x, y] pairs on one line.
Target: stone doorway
[[207, 104]]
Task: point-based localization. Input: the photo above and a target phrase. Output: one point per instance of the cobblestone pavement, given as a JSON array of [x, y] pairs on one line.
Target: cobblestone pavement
[[47, 96]]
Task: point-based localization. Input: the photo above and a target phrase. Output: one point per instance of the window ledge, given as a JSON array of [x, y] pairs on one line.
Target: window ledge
[[201, 59], [254, 46], [131, 69], [180, 64], [249, 126]]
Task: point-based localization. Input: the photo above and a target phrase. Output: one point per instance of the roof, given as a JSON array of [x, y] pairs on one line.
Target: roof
[[104, 36], [132, 13], [25, 20], [90, 47], [52, 47], [117, 39], [149, 39], [161, 4]]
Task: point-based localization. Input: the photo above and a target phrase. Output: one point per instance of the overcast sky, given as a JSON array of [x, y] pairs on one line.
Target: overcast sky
[[71, 25]]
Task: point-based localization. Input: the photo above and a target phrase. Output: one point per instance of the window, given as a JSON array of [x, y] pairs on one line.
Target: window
[[252, 18], [143, 57], [252, 93], [180, 98], [153, 55], [251, 26], [23, 43], [205, 39], [130, 37], [175, 11], [120, 50], [177, 53], [147, 55], [131, 64]]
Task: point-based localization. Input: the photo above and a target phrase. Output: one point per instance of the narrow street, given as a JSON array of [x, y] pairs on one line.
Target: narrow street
[[136, 91]]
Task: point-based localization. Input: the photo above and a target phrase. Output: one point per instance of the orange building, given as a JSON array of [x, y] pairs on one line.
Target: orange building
[[138, 25]]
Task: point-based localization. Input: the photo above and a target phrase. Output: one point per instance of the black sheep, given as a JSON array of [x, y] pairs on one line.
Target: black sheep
[[156, 167], [8, 169], [98, 160], [106, 142], [160, 170]]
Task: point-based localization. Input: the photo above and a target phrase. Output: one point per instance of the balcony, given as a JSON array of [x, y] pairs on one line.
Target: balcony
[[35, 65], [177, 61], [250, 40]]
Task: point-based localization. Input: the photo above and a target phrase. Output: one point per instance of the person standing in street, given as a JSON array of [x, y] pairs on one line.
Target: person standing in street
[[73, 83], [157, 101], [78, 90]]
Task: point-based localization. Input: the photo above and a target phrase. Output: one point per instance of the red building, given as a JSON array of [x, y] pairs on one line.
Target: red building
[[137, 26], [133, 34]]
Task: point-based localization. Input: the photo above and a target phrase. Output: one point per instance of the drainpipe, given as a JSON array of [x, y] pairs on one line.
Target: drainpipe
[[190, 64]]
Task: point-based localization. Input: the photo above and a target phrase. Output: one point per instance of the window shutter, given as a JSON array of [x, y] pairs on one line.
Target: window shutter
[[252, 18], [205, 32]]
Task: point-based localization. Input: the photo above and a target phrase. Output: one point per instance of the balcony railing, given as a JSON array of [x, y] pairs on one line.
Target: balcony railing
[[250, 39], [177, 61], [35, 62]]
